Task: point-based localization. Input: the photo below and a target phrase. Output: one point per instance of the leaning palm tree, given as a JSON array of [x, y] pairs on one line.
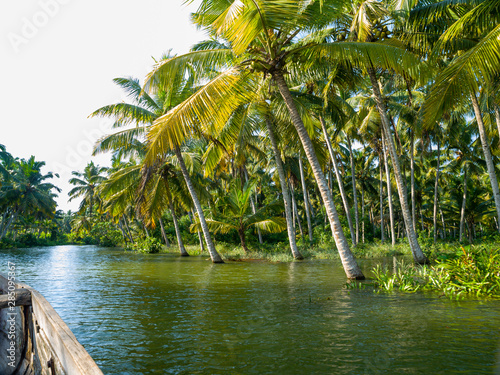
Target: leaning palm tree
[[233, 212], [475, 62], [144, 110], [261, 36]]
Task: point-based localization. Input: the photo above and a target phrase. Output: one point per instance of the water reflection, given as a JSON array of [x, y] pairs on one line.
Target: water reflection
[[162, 314]]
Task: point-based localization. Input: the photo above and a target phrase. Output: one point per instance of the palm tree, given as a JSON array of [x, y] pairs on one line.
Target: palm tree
[[25, 191], [233, 212], [86, 184], [144, 110]]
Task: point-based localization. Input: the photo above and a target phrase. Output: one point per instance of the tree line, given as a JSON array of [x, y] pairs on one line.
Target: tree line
[[360, 119]]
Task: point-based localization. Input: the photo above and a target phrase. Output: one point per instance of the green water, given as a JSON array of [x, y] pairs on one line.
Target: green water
[[162, 314]]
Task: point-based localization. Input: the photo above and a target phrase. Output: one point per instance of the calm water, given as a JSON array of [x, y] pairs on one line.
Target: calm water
[[161, 314]]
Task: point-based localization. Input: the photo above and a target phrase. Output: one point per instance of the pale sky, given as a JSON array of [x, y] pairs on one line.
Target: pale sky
[[58, 59]]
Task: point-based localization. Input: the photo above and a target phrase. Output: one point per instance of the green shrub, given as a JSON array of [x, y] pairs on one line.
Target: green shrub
[[149, 245]]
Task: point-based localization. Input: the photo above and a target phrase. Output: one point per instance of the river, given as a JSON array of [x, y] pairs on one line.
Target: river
[[163, 314]]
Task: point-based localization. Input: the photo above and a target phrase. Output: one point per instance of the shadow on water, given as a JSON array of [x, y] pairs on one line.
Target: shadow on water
[[162, 314]]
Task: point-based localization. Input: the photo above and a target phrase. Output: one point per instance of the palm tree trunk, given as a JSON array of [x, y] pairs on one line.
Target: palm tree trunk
[[180, 243], [200, 238], [351, 267], [443, 222], [164, 235], [497, 118], [412, 172], [436, 188], [462, 210], [241, 233], [389, 191], [128, 229], [362, 213], [306, 200], [381, 191], [354, 189], [290, 225], [418, 255], [487, 155], [296, 215], [343, 194], [216, 258], [252, 203]]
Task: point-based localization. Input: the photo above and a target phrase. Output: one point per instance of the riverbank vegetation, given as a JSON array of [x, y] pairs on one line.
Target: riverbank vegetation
[[306, 128]]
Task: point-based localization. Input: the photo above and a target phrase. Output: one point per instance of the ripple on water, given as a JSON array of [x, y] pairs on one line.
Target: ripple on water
[[146, 314]]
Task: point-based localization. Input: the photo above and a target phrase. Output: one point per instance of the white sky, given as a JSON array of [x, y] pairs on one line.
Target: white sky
[[57, 62]]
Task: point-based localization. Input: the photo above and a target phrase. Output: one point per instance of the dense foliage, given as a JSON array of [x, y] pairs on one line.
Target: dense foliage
[[314, 122]]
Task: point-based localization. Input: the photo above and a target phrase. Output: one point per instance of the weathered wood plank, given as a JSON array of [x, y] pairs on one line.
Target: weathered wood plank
[[53, 339], [22, 297]]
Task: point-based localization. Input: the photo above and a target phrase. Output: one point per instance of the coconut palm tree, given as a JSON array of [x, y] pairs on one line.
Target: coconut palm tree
[[233, 212], [86, 184], [144, 110]]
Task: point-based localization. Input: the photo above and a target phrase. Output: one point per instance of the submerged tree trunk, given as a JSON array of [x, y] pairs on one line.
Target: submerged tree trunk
[[350, 265], [306, 200], [290, 226], [462, 210], [418, 255], [343, 194], [389, 191], [354, 189], [216, 258], [487, 155], [436, 190]]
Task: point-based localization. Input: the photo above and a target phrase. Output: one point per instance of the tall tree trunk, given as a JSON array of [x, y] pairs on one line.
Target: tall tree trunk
[[442, 221], [487, 155], [363, 214], [418, 255], [146, 230], [128, 229], [497, 118], [412, 171], [200, 237], [436, 190], [351, 267], [343, 194], [180, 243], [241, 233], [296, 215], [462, 210], [290, 226], [216, 258], [120, 225], [254, 210], [164, 235], [389, 191], [306, 200], [381, 195], [354, 189]]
